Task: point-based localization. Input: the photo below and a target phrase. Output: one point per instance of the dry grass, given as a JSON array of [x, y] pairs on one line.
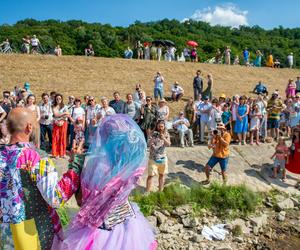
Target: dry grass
[[102, 76]]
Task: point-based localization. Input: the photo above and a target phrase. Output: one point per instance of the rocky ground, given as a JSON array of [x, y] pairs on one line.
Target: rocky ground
[[276, 225]]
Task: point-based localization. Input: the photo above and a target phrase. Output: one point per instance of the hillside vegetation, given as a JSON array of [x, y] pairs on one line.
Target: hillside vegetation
[[102, 76], [109, 41]]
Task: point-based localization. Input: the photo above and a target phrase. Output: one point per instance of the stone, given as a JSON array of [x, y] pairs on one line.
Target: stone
[[281, 216], [183, 210], [223, 247], [295, 201], [152, 220], [161, 218], [255, 230], [242, 224], [260, 221], [166, 213], [205, 221], [165, 228], [238, 239], [190, 221], [197, 238], [285, 204]]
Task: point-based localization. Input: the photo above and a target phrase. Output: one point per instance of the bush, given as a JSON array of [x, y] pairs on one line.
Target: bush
[[239, 200]]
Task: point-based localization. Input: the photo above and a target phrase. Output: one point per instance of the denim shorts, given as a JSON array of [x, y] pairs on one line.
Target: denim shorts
[[222, 161], [279, 163]]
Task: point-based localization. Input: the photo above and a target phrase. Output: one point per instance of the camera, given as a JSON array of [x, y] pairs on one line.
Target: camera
[[156, 134], [46, 117], [216, 132]]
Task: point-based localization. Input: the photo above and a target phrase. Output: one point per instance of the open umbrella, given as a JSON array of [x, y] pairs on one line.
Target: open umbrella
[[192, 43], [146, 44], [169, 43], [158, 42]]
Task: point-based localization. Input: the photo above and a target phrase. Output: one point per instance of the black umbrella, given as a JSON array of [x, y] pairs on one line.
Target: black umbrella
[[169, 43], [158, 42]]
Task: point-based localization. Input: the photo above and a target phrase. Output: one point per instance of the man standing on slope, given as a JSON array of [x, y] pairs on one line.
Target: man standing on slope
[[30, 189], [197, 84]]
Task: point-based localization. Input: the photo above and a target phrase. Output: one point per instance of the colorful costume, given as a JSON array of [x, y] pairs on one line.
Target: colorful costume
[[113, 165], [29, 190]]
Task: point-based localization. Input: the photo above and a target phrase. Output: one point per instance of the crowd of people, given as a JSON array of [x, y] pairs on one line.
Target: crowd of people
[[118, 133], [69, 126], [162, 51]]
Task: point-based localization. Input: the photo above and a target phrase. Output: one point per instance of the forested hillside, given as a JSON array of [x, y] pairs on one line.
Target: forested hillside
[[108, 41]]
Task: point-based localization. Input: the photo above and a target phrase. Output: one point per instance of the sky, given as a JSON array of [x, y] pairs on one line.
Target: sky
[[265, 13]]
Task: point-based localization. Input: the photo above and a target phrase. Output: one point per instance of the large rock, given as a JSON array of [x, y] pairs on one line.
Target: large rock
[[281, 216], [161, 218], [189, 221], [285, 204], [183, 210], [260, 221]]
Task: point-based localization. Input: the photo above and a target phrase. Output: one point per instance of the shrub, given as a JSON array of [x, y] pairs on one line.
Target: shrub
[[240, 200]]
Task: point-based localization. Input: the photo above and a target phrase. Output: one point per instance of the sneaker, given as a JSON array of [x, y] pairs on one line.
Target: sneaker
[[182, 146], [206, 182]]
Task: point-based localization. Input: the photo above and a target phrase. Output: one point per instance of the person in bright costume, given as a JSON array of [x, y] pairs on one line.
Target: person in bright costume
[[30, 189], [113, 165]]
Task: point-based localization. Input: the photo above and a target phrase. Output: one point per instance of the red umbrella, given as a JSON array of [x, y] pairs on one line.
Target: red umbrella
[[192, 43], [146, 44]]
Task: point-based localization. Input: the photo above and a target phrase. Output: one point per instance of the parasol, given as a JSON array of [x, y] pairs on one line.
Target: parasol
[[192, 43]]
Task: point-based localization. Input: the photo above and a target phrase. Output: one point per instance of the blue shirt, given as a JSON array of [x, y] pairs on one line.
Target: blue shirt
[[226, 116]]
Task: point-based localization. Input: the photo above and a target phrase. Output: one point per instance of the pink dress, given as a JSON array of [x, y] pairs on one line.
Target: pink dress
[[291, 90]]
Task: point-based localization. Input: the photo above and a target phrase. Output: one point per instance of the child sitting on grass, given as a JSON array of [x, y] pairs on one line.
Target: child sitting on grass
[[280, 158]]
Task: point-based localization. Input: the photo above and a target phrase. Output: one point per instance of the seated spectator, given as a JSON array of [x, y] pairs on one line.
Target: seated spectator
[[89, 51], [132, 109], [57, 51], [177, 92], [5, 46], [128, 53], [276, 64], [260, 88], [117, 104], [163, 110], [181, 125]]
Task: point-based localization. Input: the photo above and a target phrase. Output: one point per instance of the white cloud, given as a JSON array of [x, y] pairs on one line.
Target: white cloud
[[225, 15]]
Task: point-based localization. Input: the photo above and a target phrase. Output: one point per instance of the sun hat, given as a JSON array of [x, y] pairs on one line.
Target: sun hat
[[223, 96], [162, 100]]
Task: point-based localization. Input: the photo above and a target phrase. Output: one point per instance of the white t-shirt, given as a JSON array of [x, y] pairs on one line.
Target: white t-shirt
[[178, 90], [77, 112], [1, 110], [35, 42]]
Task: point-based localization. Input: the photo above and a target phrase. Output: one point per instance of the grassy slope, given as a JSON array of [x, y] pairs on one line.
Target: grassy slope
[[101, 76]]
